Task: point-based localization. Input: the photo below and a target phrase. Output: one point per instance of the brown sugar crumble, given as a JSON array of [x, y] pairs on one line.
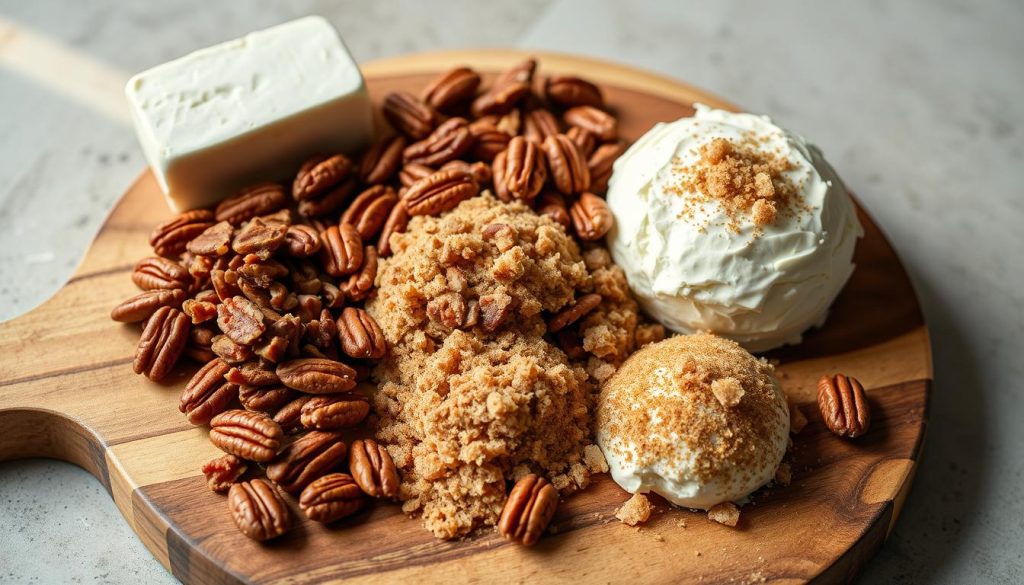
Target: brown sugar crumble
[[725, 513], [474, 393], [636, 510], [744, 178]]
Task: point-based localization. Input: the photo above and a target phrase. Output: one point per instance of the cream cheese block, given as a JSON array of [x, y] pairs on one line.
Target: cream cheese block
[[249, 110]]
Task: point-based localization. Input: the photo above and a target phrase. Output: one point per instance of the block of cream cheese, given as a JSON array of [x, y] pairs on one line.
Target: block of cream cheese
[[249, 110]]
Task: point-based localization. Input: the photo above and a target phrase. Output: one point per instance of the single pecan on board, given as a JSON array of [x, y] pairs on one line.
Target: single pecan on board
[[207, 394], [258, 509], [373, 469], [221, 473], [331, 497], [528, 510], [141, 306], [843, 405], [162, 342]]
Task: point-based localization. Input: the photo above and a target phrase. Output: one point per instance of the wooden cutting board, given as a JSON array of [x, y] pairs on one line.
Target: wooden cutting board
[[67, 392]]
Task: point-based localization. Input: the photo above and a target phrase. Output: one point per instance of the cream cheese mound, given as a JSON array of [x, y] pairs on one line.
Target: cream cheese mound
[[694, 268]]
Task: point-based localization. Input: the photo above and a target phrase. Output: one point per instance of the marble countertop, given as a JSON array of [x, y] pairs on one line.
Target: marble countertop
[[917, 104]]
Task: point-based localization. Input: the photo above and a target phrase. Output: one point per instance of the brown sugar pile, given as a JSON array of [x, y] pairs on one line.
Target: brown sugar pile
[[744, 179], [475, 392]]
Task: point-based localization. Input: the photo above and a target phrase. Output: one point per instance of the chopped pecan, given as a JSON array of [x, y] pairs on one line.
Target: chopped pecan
[[577, 311], [323, 332], [382, 160], [360, 284], [240, 320], [373, 469], [451, 88], [449, 309], [250, 202], [229, 351], [252, 374], [368, 212], [601, 123], [447, 142], [258, 510], [320, 174], [335, 411], [591, 217], [225, 283], [440, 192], [207, 394], [552, 204], [538, 124], [170, 237], [301, 241], [342, 251], [494, 310], [521, 72], [309, 307], [331, 497], [141, 306], [500, 98], [567, 166], [396, 224], [569, 91], [162, 342], [844, 406], [160, 273], [530, 507], [360, 335], [199, 311], [332, 296], [510, 123], [213, 241], [317, 376], [200, 339], [409, 115], [305, 459], [265, 399], [262, 272], [221, 473], [249, 435], [585, 140], [488, 140], [519, 171], [600, 164], [259, 237]]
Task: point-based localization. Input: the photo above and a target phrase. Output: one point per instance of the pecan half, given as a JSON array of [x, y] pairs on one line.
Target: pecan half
[[552, 204], [249, 435], [259, 237], [342, 250], [480, 171], [601, 123], [170, 237], [843, 405], [301, 241], [141, 306], [331, 497], [360, 335], [585, 140], [335, 411], [258, 510], [494, 310], [213, 241], [290, 415], [305, 459], [229, 351], [521, 72], [500, 99], [265, 399], [250, 202], [221, 473], [360, 284], [368, 212], [488, 140], [207, 394], [317, 376], [329, 202], [396, 224], [566, 163], [447, 142], [252, 374], [373, 469], [409, 115], [440, 192], [538, 125], [577, 311], [382, 160], [569, 91], [160, 273], [530, 507], [452, 88], [519, 171], [320, 174], [591, 217], [240, 320], [600, 164], [413, 172], [162, 342]]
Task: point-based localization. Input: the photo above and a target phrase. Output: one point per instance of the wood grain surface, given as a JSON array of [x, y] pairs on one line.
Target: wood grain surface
[[67, 392]]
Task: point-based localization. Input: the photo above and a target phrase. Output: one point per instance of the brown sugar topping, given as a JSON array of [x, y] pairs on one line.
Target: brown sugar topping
[[744, 178]]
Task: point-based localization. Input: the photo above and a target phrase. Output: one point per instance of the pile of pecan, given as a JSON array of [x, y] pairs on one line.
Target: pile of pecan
[[265, 289]]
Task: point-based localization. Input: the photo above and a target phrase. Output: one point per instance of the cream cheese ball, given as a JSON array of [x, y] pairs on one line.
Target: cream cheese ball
[[694, 418], [727, 223]]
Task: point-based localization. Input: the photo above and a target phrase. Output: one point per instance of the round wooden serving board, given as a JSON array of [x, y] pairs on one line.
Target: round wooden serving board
[[67, 391]]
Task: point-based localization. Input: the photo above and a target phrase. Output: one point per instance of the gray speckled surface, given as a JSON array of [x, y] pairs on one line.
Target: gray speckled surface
[[918, 105]]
